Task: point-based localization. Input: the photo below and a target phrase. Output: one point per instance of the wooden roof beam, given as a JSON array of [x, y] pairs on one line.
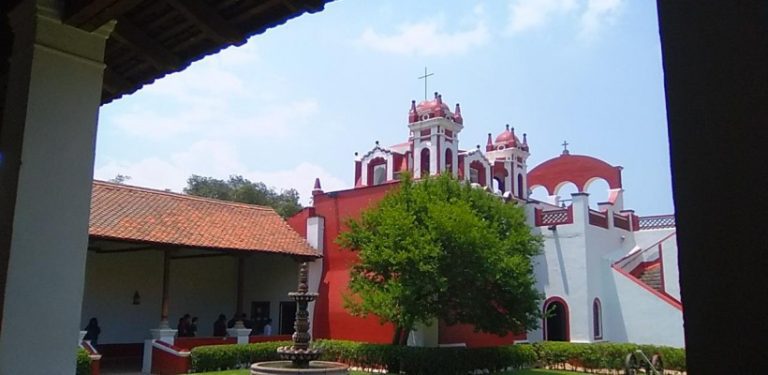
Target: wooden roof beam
[[114, 83], [130, 35], [209, 20], [90, 15]]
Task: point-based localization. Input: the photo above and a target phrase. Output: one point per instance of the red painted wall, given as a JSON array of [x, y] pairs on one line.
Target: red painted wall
[[331, 319], [164, 363], [465, 333]]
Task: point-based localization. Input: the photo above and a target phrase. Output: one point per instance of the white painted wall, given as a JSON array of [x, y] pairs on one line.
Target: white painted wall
[[202, 287], [269, 278], [671, 270], [110, 282], [636, 315]]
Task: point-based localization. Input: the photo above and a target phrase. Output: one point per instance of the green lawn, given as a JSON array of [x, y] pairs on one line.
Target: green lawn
[[521, 372]]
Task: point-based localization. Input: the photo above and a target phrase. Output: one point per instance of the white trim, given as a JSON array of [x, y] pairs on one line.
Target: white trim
[[166, 349]]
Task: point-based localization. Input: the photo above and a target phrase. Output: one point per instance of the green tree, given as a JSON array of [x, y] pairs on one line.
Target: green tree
[[439, 248], [239, 189]]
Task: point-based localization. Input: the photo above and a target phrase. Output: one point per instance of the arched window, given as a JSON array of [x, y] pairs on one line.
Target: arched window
[[449, 160], [520, 186], [597, 319], [424, 162], [477, 173], [556, 322], [377, 171]]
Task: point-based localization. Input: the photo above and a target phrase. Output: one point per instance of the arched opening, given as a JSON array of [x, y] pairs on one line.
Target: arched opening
[[424, 162], [556, 326], [377, 171], [598, 191], [449, 160], [539, 193], [597, 319], [520, 187], [563, 191], [477, 173]]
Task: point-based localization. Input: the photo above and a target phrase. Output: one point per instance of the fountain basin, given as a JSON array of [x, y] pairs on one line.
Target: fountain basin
[[286, 368]]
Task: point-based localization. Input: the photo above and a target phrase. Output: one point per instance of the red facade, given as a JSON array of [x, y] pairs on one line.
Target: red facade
[[331, 320]]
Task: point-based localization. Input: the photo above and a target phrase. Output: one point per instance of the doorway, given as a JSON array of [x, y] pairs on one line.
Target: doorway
[[556, 320], [287, 317]]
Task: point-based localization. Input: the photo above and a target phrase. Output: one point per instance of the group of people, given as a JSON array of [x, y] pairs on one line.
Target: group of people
[[221, 325], [187, 326]]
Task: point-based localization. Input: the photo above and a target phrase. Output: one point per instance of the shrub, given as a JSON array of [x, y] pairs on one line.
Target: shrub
[[225, 357], [416, 360], [83, 362], [603, 355], [444, 361]]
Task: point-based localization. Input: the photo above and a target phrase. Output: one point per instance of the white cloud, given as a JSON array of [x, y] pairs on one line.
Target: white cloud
[[215, 159], [427, 38], [598, 13], [526, 15], [531, 14]]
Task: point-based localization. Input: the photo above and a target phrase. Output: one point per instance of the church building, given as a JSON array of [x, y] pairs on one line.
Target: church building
[[606, 273]]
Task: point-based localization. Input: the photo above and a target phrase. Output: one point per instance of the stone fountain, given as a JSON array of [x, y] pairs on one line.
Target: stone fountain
[[300, 358]]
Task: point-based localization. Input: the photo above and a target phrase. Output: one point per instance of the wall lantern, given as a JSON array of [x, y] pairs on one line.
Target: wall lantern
[[136, 298]]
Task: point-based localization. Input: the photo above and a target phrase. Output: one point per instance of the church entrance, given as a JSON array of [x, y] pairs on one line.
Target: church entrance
[[556, 320]]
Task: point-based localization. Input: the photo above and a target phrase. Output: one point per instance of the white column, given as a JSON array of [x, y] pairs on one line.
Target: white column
[[51, 112], [315, 235], [433, 167]]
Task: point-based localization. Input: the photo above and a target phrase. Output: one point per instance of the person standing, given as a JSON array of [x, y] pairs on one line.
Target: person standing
[[92, 332], [220, 326], [193, 327], [268, 328]]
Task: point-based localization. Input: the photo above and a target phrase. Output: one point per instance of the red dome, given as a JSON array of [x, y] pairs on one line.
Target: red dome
[[507, 138], [428, 109]]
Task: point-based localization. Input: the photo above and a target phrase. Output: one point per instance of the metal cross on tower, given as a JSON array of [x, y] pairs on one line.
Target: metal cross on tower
[[565, 148], [425, 81]]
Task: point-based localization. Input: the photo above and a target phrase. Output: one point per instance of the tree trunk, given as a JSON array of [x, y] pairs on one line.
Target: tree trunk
[[404, 336], [396, 335]]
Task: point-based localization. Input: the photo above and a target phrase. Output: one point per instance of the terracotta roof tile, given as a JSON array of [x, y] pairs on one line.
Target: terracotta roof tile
[[136, 214]]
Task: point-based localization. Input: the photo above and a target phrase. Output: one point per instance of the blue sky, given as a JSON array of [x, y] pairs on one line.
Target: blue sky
[[297, 102]]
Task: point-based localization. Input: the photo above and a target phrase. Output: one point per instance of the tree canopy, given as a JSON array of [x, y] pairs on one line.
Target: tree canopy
[[239, 189], [439, 248]]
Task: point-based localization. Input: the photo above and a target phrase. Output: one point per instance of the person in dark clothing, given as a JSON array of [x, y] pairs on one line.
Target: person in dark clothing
[[231, 322], [220, 326], [193, 327], [92, 331], [183, 327]]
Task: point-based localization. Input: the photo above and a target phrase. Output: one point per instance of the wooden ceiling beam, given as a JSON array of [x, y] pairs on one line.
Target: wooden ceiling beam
[[114, 83], [130, 35], [251, 12], [90, 15], [209, 21]]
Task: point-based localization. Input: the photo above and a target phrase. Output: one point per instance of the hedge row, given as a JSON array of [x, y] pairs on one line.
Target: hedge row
[[418, 361], [83, 362], [603, 355], [411, 360], [225, 357]]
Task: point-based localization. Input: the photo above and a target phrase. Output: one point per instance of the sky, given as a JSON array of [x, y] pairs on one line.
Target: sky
[[297, 102]]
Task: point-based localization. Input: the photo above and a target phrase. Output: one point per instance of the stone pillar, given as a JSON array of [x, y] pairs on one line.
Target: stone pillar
[[240, 332], [48, 145]]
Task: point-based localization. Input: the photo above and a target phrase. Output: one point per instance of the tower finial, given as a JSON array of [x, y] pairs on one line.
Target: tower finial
[[413, 114], [507, 126], [489, 144], [565, 148], [317, 189], [525, 139]]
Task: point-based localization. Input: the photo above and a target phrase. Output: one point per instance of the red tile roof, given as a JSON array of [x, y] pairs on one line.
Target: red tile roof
[[135, 214]]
